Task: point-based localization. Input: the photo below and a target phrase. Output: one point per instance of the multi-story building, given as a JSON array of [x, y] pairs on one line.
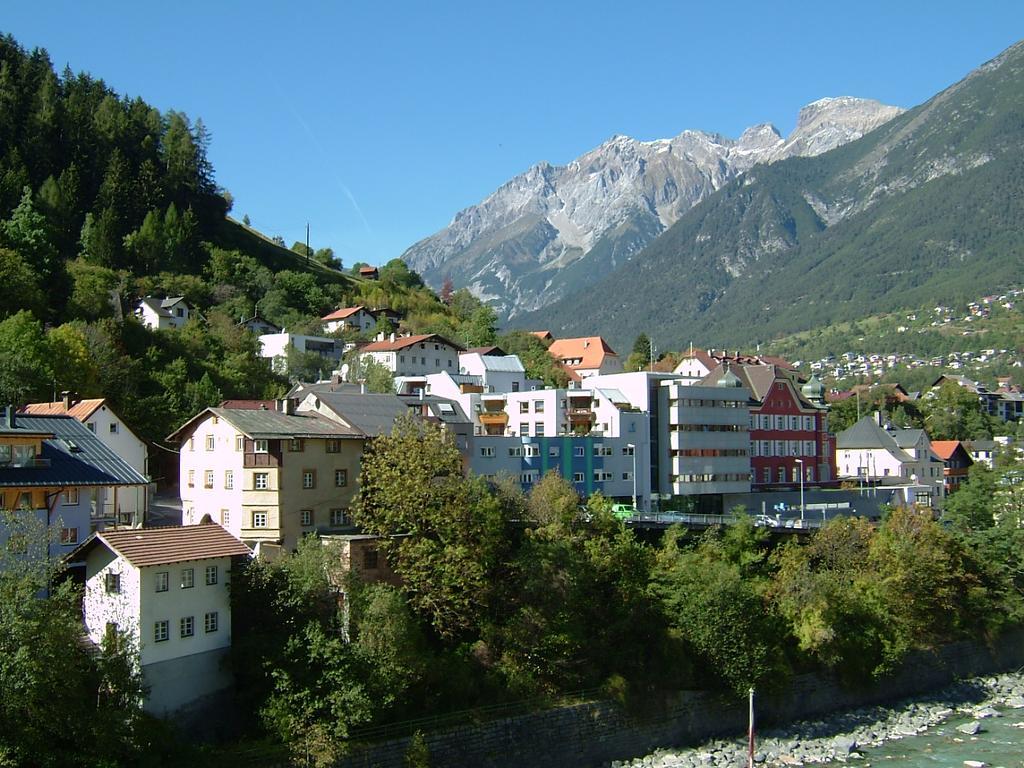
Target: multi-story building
[[121, 505], [414, 355], [867, 453], [705, 440], [358, 319], [54, 469], [789, 434], [168, 590], [276, 345], [956, 460], [268, 476]]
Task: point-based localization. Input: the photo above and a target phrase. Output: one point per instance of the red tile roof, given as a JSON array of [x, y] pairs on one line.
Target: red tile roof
[[81, 410], [176, 544], [589, 350], [944, 448], [403, 342], [341, 314]]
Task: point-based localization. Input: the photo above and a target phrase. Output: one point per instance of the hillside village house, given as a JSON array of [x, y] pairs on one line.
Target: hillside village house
[[168, 589], [163, 314], [585, 356], [349, 319], [956, 461], [125, 506], [276, 345], [55, 469], [268, 476], [414, 355]]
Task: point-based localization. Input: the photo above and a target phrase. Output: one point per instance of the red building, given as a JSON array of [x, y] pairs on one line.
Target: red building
[[957, 462], [788, 427]]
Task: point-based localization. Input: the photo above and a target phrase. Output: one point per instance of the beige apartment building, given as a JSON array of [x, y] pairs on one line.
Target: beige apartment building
[[268, 474]]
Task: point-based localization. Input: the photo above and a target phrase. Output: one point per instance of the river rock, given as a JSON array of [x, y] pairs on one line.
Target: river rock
[[1015, 702], [987, 712], [844, 745], [971, 729], [975, 764]]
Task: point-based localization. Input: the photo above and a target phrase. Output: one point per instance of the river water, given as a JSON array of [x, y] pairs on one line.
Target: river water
[[999, 745]]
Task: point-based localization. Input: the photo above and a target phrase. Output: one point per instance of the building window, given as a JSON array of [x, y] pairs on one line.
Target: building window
[[191, 478], [538, 406], [627, 450], [113, 428], [538, 429], [229, 479], [600, 476], [579, 450], [527, 478], [239, 443], [162, 579], [260, 446], [487, 450], [188, 578], [338, 517], [577, 477], [210, 622], [188, 626], [225, 517], [370, 559], [340, 478], [210, 443], [524, 428], [782, 474], [191, 443], [334, 446], [112, 582], [295, 445], [627, 475], [259, 519], [261, 481], [208, 479], [524, 406], [308, 479], [305, 517], [71, 497], [68, 536], [767, 474], [92, 426], [553, 451], [211, 575], [161, 631]]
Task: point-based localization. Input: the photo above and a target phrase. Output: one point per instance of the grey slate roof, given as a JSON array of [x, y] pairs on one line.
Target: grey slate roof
[[373, 414], [867, 434], [276, 425], [906, 438], [76, 457]]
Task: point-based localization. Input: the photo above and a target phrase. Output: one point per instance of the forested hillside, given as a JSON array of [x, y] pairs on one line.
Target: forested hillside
[[104, 200]]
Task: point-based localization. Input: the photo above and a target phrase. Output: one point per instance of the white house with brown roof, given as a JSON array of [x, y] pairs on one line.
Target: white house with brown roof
[[168, 590], [126, 506], [586, 356], [349, 319], [414, 355]]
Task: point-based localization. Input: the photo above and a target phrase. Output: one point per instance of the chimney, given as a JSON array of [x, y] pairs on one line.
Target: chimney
[[9, 418], [286, 405], [392, 338], [362, 386], [69, 398]]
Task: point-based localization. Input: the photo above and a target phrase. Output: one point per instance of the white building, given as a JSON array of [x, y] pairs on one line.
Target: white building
[[125, 505], [162, 314], [586, 356], [414, 355], [276, 345], [349, 319], [866, 452], [497, 373], [167, 588]]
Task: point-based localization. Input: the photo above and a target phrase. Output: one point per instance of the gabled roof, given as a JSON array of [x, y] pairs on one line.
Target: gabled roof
[[700, 355], [867, 434], [543, 335], [402, 342], [486, 351], [502, 364], [371, 414], [590, 350], [907, 437], [144, 547], [270, 424], [81, 410], [161, 306], [945, 449], [71, 456], [758, 378], [341, 314]]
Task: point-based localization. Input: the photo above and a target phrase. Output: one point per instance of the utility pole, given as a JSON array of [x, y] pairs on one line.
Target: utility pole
[[307, 242]]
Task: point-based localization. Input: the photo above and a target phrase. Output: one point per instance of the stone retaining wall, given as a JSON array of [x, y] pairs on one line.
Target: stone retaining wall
[[593, 734]]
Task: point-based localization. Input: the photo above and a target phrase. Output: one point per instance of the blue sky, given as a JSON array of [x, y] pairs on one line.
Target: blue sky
[[376, 122]]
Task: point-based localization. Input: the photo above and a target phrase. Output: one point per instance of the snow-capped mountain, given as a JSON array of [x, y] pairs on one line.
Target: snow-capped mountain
[[555, 227]]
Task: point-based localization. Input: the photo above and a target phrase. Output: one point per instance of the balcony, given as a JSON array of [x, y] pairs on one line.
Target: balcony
[[493, 418], [581, 415]]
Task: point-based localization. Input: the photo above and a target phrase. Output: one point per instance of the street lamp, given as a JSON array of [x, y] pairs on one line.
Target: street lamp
[[801, 463], [632, 450]]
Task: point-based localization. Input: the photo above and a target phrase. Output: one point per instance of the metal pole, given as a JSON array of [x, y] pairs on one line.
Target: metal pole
[[750, 733], [632, 449], [800, 463]]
